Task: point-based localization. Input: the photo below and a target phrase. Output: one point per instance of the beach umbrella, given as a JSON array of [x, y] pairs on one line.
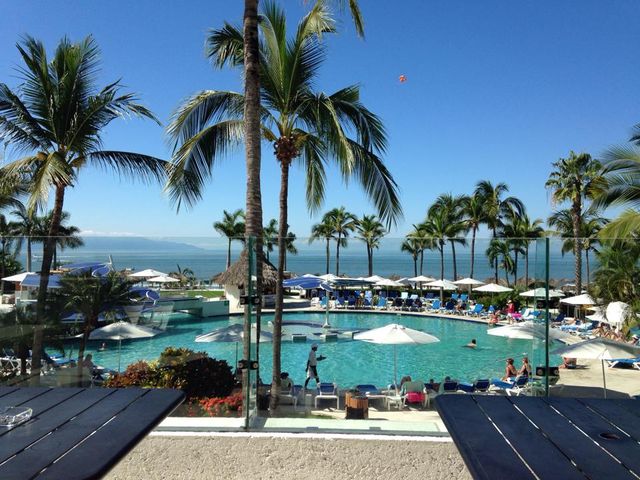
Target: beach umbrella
[[307, 283], [395, 334], [329, 277], [421, 279], [442, 284], [374, 278], [584, 299], [387, 282], [541, 293], [492, 288], [468, 281], [598, 315], [528, 330], [163, 279], [404, 281], [617, 313], [18, 278], [122, 331], [148, 273], [599, 349], [233, 333]]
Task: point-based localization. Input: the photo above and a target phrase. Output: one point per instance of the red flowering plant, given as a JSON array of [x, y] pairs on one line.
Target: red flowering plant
[[230, 406]]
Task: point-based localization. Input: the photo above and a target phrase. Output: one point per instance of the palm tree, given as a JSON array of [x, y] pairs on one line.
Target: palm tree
[[413, 247], [323, 230], [452, 209], [68, 235], [270, 236], [371, 233], [185, 276], [529, 230], [519, 230], [496, 207], [435, 228], [575, 179], [592, 224], [473, 216], [342, 222], [499, 255], [232, 227], [300, 123], [58, 115], [7, 241], [622, 188], [291, 247], [28, 227]]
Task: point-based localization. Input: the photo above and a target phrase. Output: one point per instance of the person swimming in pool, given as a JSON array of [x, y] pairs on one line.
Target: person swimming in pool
[[472, 344]]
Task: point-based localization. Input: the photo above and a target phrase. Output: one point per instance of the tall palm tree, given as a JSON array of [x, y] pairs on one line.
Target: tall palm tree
[[28, 228], [413, 247], [518, 231], [68, 235], [474, 215], [575, 179], [300, 123], [232, 227], [496, 206], [57, 116], [592, 224], [452, 209], [7, 242], [291, 246], [622, 188], [324, 231], [185, 276], [270, 236], [530, 230], [371, 231], [342, 223], [499, 255], [436, 229]]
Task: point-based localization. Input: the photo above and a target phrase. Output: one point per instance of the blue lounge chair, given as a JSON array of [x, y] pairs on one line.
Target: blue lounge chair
[[450, 387], [408, 303], [398, 303], [454, 296], [351, 302], [476, 310], [467, 387], [323, 302], [482, 385], [327, 391], [632, 362], [434, 306], [340, 302], [464, 297], [382, 302], [366, 303], [430, 296]]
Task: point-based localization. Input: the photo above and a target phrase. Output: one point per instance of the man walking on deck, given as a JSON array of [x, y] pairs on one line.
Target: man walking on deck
[[312, 363]]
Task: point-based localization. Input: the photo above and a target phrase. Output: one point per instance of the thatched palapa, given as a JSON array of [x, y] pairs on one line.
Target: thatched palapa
[[236, 274]]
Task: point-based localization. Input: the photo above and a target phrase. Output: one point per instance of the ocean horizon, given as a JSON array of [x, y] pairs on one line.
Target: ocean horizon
[[206, 257]]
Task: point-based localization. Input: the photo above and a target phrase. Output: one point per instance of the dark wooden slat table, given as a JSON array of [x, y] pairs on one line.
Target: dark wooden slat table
[[533, 437], [78, 433]]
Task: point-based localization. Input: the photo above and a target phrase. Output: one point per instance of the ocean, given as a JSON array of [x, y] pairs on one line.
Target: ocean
[[207, 256]]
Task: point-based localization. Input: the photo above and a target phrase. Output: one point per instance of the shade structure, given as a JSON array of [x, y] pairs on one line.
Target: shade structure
[[541, 293], [404, 281], [18, 278], [528, 330], [329, 277], [584, 299], [388, 283], [468, 281], [492, 288], [148, 273], [618, 313], [395, 334], [307, 283], [32, 280], [122, 331], [374, 278], [421, 279], [443, 284], [599, 349], [163, 279]]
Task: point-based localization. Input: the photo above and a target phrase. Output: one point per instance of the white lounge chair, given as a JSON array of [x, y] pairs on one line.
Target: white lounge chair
[[327, 391]]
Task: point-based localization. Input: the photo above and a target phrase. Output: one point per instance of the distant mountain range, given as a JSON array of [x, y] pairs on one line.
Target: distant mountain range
[[134, 244]]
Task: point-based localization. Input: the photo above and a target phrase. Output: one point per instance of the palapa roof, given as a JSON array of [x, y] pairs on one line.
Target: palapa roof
[[236, 274]]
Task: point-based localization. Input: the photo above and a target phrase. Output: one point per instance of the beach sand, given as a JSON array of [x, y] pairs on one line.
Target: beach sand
[[246, 456]]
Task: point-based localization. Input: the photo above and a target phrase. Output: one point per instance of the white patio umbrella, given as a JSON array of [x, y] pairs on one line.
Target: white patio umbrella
[[528, 331], [404, 281], [233, 333], [599, 349], [421, 279], [617, 313], [374, 278], [598, 315], [387, 282], [395, 334], [163, 279], [148, 273], [18, 278], [468, 281], [492, 288], [540, 292], [122, 331], [584, 299], [329, 277], [443, 284]]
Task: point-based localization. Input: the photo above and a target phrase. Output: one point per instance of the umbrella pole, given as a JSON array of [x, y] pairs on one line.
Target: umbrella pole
[[119, 353], [395, 368], [236, 364], [604, 379]]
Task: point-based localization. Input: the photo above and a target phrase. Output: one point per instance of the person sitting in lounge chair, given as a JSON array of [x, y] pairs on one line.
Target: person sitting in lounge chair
[[510, 371], [285, 382], [525, 369], [569, 363]]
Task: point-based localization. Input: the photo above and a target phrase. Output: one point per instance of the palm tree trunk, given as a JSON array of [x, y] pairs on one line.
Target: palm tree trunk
[[252, 139], [577, 244], [586, 255], [29, 254], [421, 260], [473, 249], [228, 253], [45, 270], [3, 266], [415, 265], [441, 248], [370, 259], [282, 252], [328, 253], [338, 254], [495, 263], [455, 265], [515, 268]]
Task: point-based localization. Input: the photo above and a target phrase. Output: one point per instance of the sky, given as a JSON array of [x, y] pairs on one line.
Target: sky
[[494, 90]]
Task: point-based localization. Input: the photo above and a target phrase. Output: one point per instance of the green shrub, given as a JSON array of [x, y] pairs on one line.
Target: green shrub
[[139, 374]]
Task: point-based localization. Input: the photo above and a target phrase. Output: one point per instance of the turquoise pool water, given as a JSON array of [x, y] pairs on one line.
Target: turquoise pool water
[[348, 362]]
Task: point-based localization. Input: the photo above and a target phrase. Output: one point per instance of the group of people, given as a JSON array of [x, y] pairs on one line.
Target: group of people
[[511, 371]]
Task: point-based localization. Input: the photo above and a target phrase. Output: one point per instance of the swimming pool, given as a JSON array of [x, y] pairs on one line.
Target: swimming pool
[[348, 362]]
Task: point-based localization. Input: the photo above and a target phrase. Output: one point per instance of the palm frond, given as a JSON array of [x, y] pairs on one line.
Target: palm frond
[[131, 165], [313, 165], [225, 46]]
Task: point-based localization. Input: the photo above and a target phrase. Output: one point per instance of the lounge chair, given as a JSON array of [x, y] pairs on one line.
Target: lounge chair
[[434, 306], [323, 302], [371, 392], [450, 387], [398, 302], [430, 296], [408, 303], [518, 382], [519, 386], [464, 297], [366, 303], [454, 297], [291, 395], [382, 303], [351, 302], [327, 391], [475, 311], [417, 306], [466, 387], [482, 386], [340, 302], [413, 393], [633, 362]]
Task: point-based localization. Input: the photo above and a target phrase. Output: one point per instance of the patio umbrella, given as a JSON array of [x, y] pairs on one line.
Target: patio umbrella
[[310, 283], [579, 300], [420, 279], [541, 293], [148, 273], [528, 331], [387, 283], [374, 278], [492, 288], [233, 333], [163, 279], [469, 282], [122, 331], [598, 315], [617, 313], [442, 285], [18, 278], [394, 334], [599, 349]]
